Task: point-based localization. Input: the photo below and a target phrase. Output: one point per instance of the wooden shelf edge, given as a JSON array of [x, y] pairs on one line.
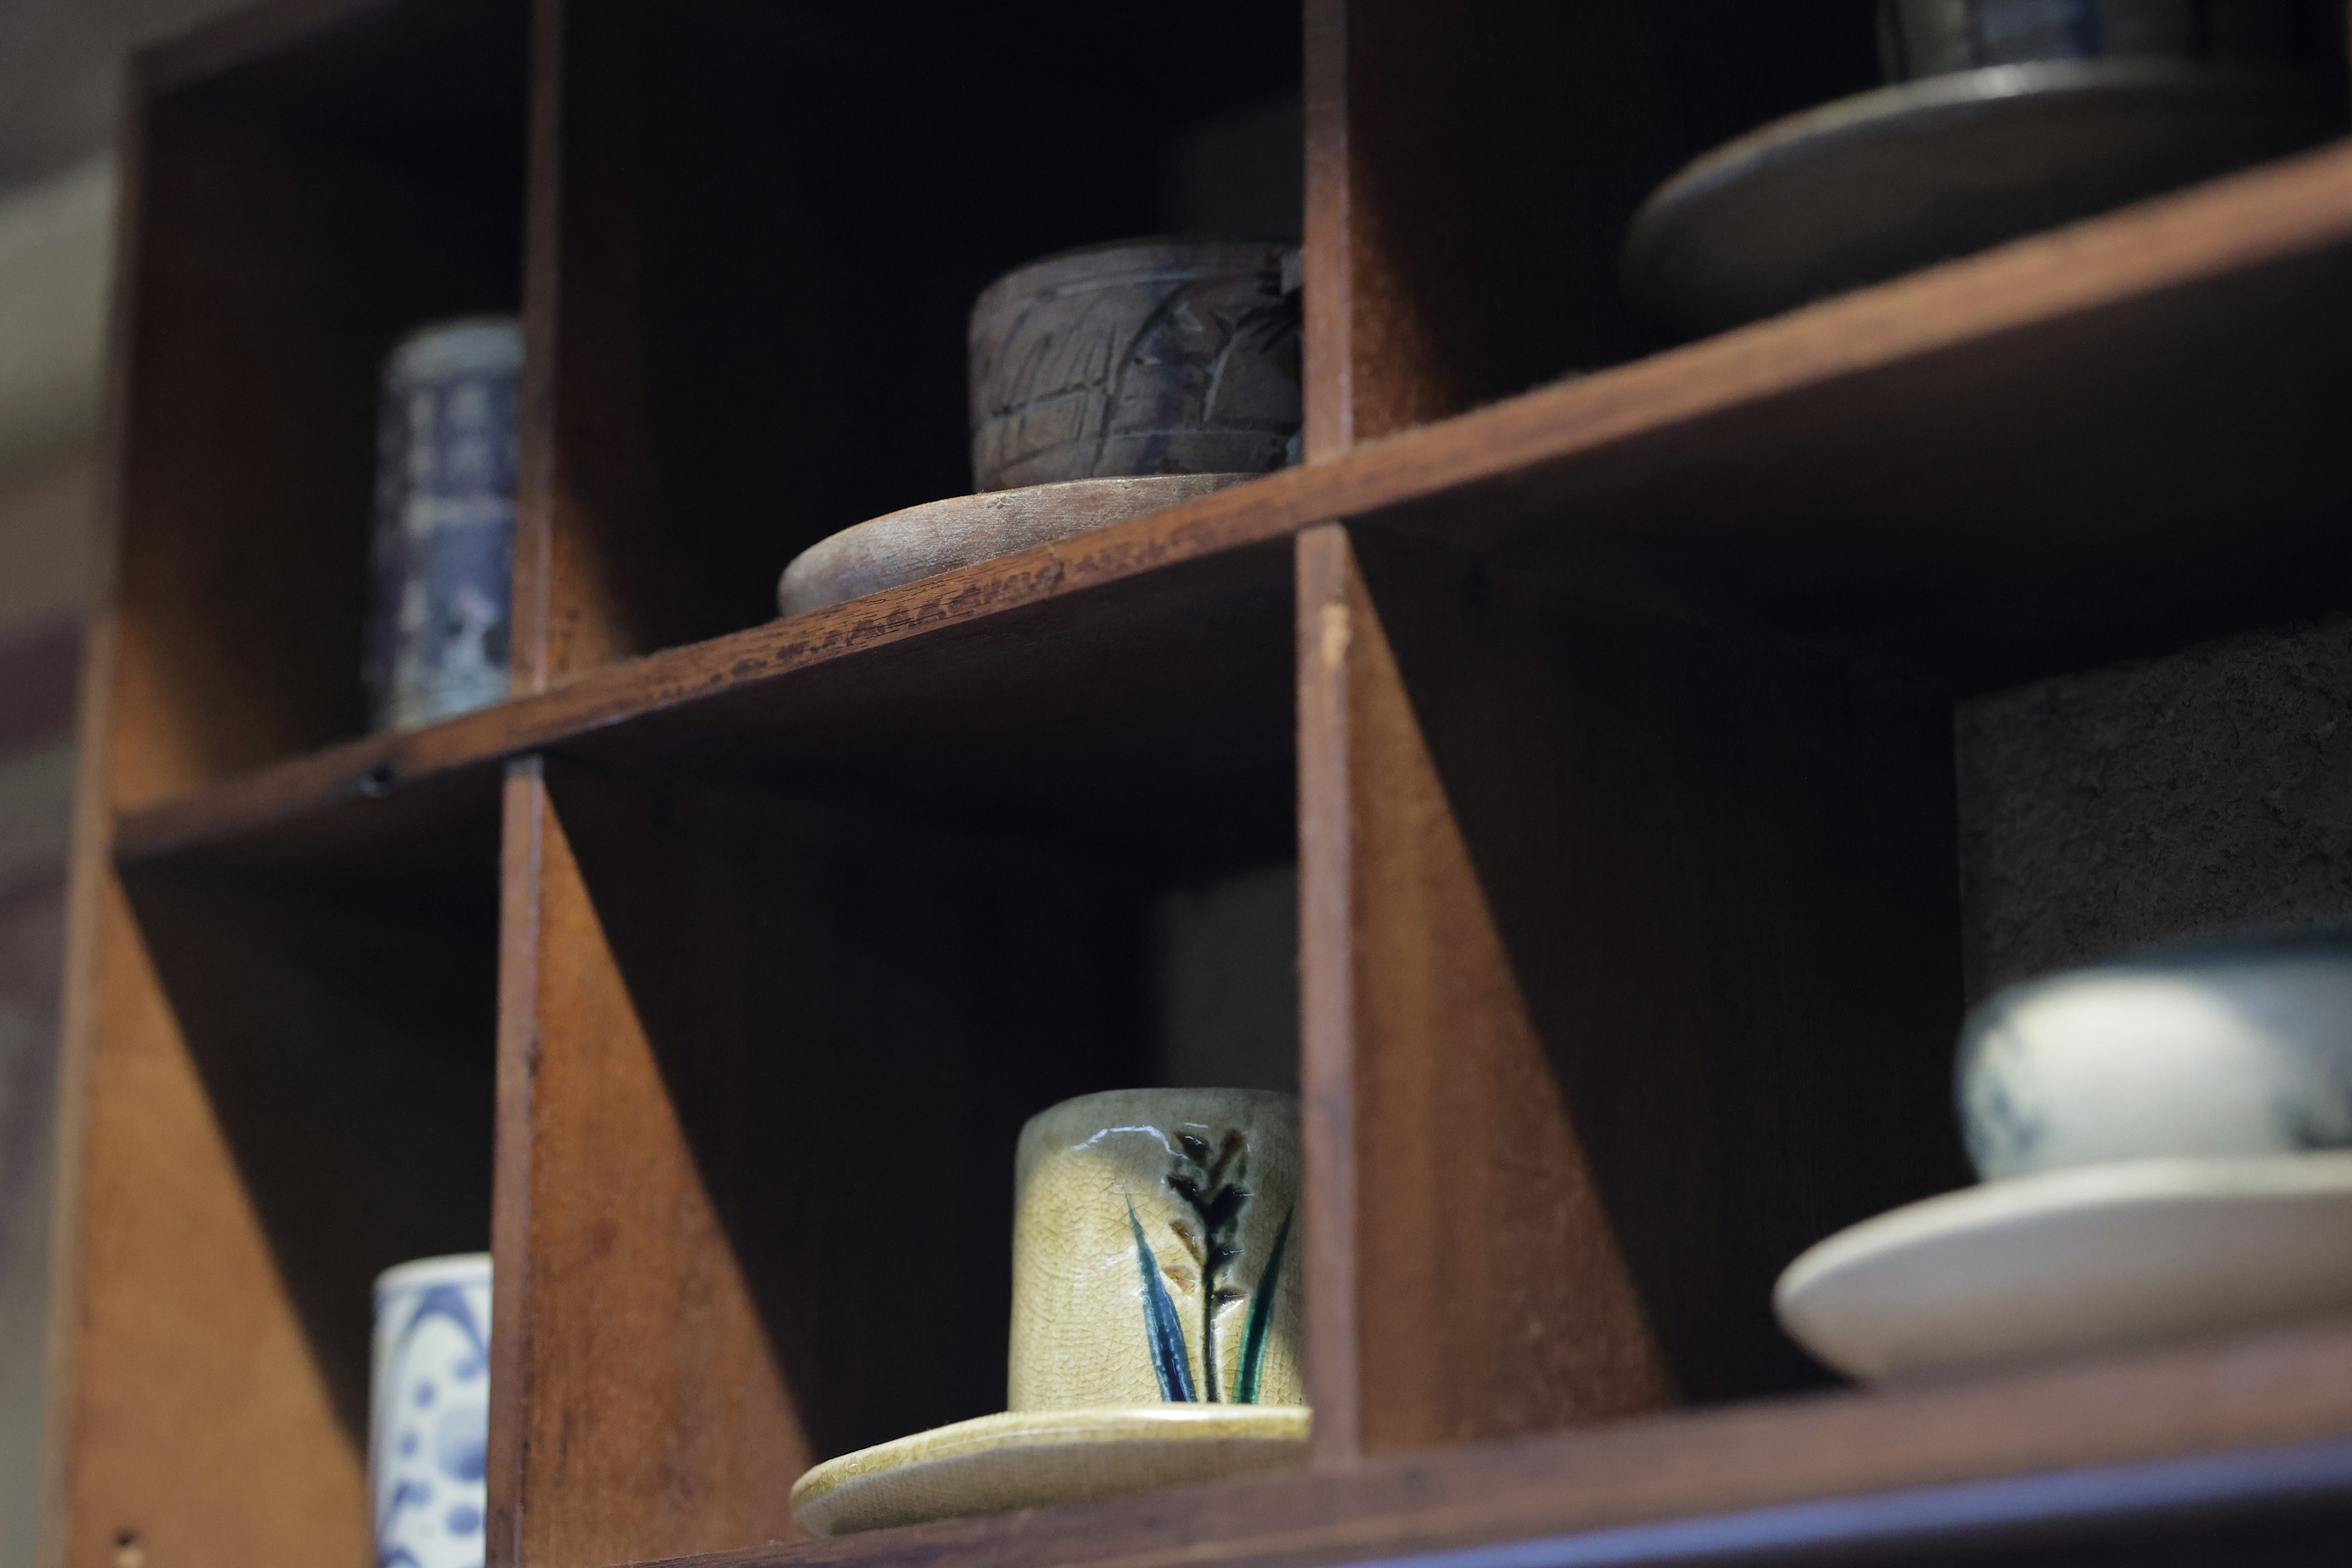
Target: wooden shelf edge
[[2265, 1420], [376, 765], [2296, 207]]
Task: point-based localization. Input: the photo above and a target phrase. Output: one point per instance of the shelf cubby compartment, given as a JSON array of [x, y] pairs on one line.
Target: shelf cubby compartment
[[779, 996], [759, 240], [283, 1071], [302, 196]]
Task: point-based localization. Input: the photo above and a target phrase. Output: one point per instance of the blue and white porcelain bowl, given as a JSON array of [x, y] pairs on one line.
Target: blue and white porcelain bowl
[[2217, 1049], [429, 1412]]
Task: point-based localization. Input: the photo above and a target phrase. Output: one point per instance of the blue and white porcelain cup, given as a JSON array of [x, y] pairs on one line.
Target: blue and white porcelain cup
[[2217, 1049], [439, 638], [429, 1409]]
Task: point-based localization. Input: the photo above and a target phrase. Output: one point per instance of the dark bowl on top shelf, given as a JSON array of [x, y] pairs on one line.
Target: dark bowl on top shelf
[[1143, 357], [2001, 118]]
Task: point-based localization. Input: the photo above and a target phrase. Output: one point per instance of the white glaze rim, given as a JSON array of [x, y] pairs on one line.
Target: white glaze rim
[[451, 1269]]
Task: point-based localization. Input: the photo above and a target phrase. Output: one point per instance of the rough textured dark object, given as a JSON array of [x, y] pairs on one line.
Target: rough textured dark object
[[1151, 357], [1931, 37], [2206, 791], [2003, 118]]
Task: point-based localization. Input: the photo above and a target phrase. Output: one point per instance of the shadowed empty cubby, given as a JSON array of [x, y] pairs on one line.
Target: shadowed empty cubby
[[1651, 957]]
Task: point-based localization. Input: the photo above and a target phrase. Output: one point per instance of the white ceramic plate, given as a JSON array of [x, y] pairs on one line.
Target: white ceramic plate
[[2098, 1257], [1034, 1459]]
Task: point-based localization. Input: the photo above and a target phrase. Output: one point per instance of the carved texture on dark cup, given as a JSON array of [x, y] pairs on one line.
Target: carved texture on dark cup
[[1160, 356]]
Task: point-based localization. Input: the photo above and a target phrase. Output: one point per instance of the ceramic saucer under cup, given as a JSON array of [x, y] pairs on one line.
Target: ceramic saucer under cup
[[940, 536], [1035, 1458], [1875, 185], [2093, 1258]]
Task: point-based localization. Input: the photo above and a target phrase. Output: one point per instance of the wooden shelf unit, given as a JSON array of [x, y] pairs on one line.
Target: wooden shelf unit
[[1608, 719]]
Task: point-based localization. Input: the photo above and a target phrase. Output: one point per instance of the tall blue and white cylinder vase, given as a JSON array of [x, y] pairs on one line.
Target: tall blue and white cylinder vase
[[444, 534], [429, 1412]]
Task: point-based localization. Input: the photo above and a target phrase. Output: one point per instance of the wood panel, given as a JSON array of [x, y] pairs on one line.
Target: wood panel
[[1464, 1280], [764, 1062], [950, 698], [638, 1406], [1642, 978], [189, 1360]]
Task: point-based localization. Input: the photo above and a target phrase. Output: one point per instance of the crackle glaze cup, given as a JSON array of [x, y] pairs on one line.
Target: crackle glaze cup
[[428, 1419], [1156, 1251], [2226, 1048], [1167, 356]]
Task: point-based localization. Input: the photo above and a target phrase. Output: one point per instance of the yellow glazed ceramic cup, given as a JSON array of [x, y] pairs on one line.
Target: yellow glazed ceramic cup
[[1156, 1251]]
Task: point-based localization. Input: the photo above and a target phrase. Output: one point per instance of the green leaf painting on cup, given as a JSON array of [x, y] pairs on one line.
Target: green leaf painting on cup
[[1212, 1183], [1171, 1363], [1250, 1377]]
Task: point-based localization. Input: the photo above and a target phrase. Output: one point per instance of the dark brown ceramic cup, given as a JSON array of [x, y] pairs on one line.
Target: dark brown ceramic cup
[[1150, 356]]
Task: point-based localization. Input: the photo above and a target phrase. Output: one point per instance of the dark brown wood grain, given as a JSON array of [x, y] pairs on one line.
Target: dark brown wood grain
[[535, 588], [638, 1406], [1467, 1266], [1472, 169], [2232, 1402], [288, 1092], [1705, 887], [188, 1355], [1203, 648]]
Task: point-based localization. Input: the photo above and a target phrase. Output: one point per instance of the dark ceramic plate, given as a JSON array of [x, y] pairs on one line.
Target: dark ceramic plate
[[1875, 185]]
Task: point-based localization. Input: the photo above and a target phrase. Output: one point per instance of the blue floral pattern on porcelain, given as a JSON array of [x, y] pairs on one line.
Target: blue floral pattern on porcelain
[[438, 640], [2227, 1047], [429, 1423]]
